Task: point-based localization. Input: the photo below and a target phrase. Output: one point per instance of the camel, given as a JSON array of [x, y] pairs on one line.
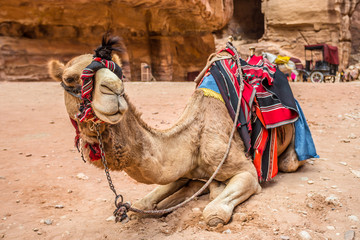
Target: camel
[[178, 159]]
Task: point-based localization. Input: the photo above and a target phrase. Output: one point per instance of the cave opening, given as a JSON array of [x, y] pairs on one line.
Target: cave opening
[[247, 21]]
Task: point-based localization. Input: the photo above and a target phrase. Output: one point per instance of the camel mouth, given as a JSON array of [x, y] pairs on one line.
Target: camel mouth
[[111, 108]]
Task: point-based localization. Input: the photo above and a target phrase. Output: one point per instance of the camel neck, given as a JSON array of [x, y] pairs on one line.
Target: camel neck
[[146, 153]]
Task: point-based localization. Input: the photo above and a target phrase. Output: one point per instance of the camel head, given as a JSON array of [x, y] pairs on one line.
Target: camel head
[[107, 97]]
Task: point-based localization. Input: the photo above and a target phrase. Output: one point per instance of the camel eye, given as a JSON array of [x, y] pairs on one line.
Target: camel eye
[[70, 80]]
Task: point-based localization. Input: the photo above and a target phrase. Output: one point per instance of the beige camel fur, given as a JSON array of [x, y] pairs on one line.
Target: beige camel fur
[[179, 158]]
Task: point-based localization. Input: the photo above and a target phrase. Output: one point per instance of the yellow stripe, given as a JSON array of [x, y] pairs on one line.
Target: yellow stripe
[[213, 94]]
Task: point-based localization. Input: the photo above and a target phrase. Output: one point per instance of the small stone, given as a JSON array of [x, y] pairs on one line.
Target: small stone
[[35, 229], [356, 173], [59, 206], [4, 218], [28, 155], [2, 177], [304, 235], [82, 176], [283, 237], [332, 199], [310, 182], [51, 122], [311, 162], [39, 233], [196, 210], [352, 136], [330, 227], [325, 178], [344, 140], [309, 205], [304, 178], [334, 186], [343, 163], [17, 201], [111, 219], [44, 156], [69, 191], [349, 235], [353, 218], [48, 221], [227, 231], [154, 113]]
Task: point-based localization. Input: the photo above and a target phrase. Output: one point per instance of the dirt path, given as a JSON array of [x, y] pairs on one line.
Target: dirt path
[[39, 168]]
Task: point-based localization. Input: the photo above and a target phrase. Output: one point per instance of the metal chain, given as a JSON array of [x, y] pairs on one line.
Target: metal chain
[[121, 210], [103, 160]]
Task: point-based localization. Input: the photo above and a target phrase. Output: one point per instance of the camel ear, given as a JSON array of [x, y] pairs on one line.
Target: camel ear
[[116, 59], [56, 70]]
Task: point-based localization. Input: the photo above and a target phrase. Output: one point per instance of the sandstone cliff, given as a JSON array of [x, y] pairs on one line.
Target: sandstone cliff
[[173, 37]]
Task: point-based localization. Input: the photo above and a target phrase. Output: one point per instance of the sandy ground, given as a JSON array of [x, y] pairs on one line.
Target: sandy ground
[[39, 165]]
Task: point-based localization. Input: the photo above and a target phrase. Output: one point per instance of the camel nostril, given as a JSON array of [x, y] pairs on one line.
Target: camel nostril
[[106, 89]]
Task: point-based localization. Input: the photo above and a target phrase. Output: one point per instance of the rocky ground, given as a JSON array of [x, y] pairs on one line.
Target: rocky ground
[[47, 192]]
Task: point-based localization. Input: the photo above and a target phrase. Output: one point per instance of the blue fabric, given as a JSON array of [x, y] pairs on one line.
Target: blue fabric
[[304, 144], [209, 82]]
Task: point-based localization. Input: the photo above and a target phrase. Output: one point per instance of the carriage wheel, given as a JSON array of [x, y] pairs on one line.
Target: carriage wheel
[[317, 77]]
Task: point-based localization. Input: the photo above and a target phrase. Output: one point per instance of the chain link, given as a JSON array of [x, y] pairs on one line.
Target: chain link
[[103, 160]]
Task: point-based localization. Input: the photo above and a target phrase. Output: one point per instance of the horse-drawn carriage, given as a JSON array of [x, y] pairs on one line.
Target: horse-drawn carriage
[[321, 62]]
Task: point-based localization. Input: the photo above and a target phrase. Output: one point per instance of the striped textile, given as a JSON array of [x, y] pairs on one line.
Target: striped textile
[[87, 78], [267, 102]]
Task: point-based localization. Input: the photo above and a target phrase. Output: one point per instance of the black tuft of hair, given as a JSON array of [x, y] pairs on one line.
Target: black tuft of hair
[[107, 46]]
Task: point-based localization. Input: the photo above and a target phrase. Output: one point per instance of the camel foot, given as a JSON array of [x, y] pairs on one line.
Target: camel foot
[[215, 214], [215, 221]]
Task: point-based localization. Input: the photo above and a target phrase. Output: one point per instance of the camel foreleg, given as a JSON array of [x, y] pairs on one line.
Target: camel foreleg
[[161, 192], [238, 189]]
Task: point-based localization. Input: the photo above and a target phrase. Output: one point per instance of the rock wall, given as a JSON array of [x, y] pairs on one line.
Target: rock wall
[[293, 24], [173, 37]]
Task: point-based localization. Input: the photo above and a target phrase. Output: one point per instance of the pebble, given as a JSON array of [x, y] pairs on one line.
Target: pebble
[[69, 191], [2, 177], [111, 219], [352, 136], [330, 227], [309, 205], [353, 218], [325, 178], [82, 176], [344, 140], [283, 237], [304, 235], [356, 173], [35, 229], [343, 163], [349, 235], [196, 210], [17, 201], [334, 186], [332, 199], [227, 231], [51, 122], [59, 206], [311, 162], [39, 233], [48, 221], [28, 155], [310, 182]]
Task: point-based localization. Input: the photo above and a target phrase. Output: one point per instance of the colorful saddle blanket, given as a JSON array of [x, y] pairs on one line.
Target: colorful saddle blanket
[[266, 93]]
